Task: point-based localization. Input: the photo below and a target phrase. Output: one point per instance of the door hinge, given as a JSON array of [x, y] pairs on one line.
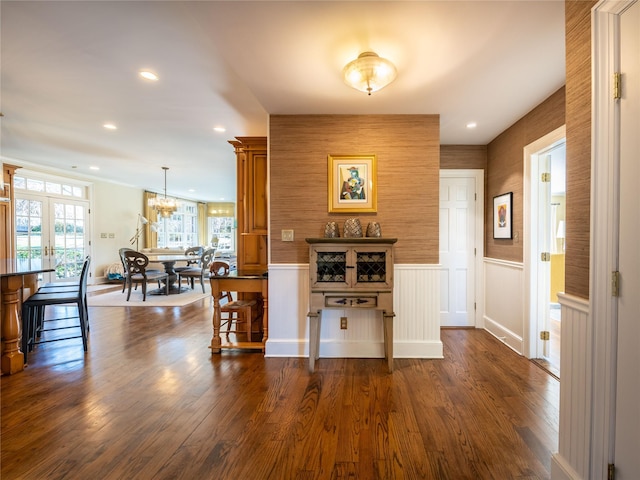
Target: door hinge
[[545, 177], [475, 252], [545, 257], [611, 471], [545, 335], [617, 86], [615, 284], [474, 306]]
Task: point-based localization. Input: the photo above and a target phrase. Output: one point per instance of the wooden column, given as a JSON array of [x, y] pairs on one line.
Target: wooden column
[[7, 213], [253, 199]]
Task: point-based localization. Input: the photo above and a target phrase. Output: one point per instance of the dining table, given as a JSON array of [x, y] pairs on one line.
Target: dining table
[[18, 280], [169, 261]]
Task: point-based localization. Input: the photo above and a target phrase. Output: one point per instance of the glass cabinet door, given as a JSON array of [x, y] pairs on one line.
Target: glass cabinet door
[[331, 267], [371, 266], [364, 267]]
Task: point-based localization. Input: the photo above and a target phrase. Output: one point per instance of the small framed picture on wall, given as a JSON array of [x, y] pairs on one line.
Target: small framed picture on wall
[[503, 216], [352, 183]]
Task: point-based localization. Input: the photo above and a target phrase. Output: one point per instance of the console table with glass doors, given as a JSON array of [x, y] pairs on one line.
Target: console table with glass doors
[[350, 273]]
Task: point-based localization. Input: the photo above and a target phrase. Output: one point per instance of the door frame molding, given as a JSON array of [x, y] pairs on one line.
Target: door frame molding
[[478, 175], [31, 172], [530, 240], [604, 232]]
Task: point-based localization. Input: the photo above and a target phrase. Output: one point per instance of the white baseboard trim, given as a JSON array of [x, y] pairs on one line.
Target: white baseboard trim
[[420, 349], [354, 349], [510, 339], [561, 470]]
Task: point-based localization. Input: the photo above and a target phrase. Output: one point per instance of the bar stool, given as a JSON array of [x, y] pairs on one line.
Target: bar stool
[[33, 313]]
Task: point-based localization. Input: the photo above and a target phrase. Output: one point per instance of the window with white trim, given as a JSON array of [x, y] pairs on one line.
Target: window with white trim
[[181, 229], [49, 187]]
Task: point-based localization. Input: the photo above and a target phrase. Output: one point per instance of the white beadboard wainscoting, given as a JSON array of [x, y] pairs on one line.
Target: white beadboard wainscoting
[[503, 302], [416, 328], [575, 425]]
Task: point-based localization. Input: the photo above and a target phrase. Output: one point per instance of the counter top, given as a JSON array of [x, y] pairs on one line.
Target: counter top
[[363, 240], [13, 267]]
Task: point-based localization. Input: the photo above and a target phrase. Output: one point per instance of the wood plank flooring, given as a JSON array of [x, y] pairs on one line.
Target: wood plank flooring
[[149, 401]]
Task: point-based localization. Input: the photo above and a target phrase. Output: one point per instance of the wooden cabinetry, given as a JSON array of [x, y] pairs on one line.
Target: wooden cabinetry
[[253, 199], [7, 208], [350, 273]]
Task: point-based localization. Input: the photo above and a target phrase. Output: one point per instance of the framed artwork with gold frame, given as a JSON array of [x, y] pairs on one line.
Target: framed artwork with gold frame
[[352, 183]]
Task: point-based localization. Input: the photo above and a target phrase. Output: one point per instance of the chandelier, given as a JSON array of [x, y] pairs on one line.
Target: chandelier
[[163, 205], [369, 72]]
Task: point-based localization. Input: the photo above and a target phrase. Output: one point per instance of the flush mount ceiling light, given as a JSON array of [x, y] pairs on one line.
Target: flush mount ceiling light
[[163, 205], [369, 72], [148, 75]]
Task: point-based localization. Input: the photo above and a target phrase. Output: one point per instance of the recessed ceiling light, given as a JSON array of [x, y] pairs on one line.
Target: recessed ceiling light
[[472, 125], [148, 75], [110, 126], [220, 129], [93, 167], [191, 190]]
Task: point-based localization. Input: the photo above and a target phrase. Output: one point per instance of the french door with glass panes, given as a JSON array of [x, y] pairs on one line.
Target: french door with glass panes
[[55, 229]]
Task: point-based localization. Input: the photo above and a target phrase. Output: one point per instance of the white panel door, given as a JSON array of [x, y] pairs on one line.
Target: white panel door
[[627, 459], [457, 243]]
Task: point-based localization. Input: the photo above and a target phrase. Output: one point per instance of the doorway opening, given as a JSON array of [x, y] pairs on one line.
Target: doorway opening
[[545, 220], [52, 223], [461, 247]]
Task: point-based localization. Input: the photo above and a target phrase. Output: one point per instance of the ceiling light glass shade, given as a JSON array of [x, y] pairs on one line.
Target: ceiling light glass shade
[[148, 75], [369, 72], [163, 205]]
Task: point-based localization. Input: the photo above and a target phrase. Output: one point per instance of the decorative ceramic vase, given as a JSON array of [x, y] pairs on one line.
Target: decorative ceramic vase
[[374, 230], [352, 228], [331, 230]]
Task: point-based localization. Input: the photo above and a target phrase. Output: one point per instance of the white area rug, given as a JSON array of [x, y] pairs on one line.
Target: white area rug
[[118, 299]]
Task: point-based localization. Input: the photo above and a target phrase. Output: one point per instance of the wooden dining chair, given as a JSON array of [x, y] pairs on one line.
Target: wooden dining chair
[[196, 253], [121, 254], [234, 313], [201, 271], [136, 272]]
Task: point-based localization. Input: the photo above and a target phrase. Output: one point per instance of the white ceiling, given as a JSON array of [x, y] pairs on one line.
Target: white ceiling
[[69, 67]]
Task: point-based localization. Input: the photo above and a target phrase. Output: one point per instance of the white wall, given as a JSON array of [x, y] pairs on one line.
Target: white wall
[[114, 211], [503, 302], [571, 461], [416, 324]]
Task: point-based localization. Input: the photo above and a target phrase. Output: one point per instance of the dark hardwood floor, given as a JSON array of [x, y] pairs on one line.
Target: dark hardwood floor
[[149, 401]]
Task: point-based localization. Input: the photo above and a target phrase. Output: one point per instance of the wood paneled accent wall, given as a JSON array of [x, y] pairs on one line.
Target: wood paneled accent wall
[[505, 170], [578, 66], [408, 154]]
